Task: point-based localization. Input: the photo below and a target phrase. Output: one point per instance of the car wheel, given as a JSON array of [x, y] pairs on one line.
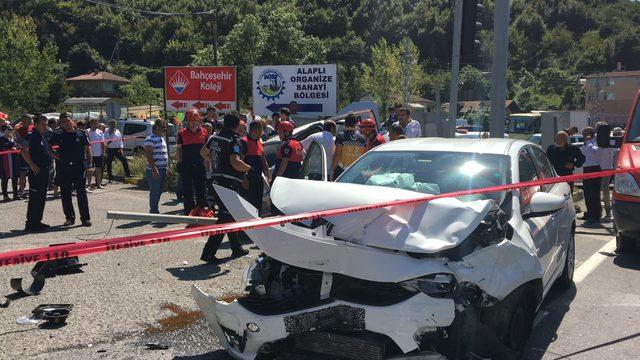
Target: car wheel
[[566, 279], [624, 243], [511, 320]]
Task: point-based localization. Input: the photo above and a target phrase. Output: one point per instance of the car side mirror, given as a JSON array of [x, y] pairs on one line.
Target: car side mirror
[[544, 204]]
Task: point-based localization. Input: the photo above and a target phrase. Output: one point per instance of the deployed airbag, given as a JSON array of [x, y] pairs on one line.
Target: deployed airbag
[[424, 228]]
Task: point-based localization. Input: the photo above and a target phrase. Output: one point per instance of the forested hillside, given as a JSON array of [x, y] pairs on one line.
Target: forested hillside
[[552, 44]]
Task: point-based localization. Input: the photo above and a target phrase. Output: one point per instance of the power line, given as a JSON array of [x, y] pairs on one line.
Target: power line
[[147, 12]]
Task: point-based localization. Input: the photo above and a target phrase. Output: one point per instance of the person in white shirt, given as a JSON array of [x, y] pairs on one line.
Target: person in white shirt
[[607, 162], [325, 138], [412, 128], [97, 151], [115, 148], [591, 187]]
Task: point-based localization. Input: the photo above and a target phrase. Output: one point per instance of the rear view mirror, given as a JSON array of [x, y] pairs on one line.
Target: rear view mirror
[[544, 204]]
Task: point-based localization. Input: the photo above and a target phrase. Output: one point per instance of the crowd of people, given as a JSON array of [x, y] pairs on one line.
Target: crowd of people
[[566, 157], [226, 150]]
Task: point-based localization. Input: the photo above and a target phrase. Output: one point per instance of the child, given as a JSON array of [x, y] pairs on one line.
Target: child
[[9, 163]]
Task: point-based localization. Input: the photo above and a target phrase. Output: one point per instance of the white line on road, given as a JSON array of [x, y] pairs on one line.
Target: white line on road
[[592, 262]]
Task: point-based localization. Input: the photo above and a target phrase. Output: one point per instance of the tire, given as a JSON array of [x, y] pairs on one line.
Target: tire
[[511, 320], [624, 243], [566, 279]]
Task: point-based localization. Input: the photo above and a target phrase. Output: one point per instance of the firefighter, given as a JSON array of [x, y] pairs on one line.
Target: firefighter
[[254, 156], [289, 156], [369, 129], [189, 162]]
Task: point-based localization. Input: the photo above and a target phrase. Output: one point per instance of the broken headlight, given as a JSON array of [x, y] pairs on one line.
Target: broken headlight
[[435, 285]]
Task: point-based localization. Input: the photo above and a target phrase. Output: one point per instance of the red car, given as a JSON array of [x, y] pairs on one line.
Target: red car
[[626, 194]]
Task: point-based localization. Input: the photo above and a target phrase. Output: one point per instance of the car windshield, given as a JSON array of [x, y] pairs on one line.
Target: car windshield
[[431, 172], [634, 126]]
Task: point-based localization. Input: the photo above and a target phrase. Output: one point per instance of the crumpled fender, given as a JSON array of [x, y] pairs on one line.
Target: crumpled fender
[[498, 269]]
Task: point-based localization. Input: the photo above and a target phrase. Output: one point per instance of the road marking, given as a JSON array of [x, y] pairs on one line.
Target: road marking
[[594, 261]]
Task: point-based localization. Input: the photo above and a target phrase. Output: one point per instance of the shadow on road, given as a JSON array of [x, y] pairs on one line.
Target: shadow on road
[[197, 272], [133, 225], [628, 260], [19, 232], [552, 311], [214, 355]]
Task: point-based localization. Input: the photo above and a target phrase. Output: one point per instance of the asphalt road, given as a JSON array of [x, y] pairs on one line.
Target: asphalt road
[[127, 299]]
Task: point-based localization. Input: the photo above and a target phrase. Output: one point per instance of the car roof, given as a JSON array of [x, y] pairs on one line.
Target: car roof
[[481, 146]]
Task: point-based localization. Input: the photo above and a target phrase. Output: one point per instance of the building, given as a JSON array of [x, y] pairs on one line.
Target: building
[[609, 96], [96, 92]]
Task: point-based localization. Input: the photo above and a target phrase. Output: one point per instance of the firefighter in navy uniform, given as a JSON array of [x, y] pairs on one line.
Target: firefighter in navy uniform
[[228, 170], [254, 155], [289, 156], [74, 155]]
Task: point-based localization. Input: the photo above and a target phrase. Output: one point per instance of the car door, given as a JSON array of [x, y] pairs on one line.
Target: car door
[[561, 221], [314, 166], [541, 227]]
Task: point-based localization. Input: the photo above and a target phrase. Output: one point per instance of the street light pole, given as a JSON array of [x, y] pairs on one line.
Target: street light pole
[[214, 32], [499, 65], [450, 126]]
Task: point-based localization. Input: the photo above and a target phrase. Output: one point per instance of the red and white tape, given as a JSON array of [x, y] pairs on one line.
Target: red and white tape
[[25, 256], [126, 138]]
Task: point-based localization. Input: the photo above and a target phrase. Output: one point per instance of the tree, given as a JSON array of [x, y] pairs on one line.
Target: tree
[[383, 79], [84, 59], [139, 92], [32, 74], [473, 85]]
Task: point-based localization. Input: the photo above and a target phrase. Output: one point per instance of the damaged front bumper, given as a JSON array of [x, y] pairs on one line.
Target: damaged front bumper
[[246, 335]]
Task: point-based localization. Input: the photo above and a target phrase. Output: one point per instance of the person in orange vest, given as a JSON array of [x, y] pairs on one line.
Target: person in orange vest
[[254, 155], [289, 156], [190, 164], [369, 129]]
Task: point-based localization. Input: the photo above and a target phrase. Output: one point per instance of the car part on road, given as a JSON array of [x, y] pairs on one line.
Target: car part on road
[[54, 315], [34, 289], [154, 346]]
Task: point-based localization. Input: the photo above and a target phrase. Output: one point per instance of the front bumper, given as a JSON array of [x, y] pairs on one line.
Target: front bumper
[[626, 216], [242, 332]]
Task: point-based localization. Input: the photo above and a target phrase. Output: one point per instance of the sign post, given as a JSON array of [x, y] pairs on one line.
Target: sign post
[[313, 89], [187, 87]]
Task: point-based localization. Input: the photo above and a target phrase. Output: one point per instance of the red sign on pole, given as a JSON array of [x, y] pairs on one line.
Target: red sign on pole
[[187, 87]]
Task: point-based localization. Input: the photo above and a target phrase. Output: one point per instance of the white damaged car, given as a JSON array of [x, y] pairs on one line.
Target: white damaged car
[[454, 277]]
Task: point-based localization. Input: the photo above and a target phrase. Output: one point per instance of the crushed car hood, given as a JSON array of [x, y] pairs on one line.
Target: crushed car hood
[[429, 227]]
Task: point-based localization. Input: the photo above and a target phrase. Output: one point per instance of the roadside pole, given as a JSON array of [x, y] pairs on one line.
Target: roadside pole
[[214, 32], [450, 126], [499, 67]]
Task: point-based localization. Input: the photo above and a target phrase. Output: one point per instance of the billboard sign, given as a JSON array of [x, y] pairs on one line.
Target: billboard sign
[[312, 87], [187, 87]]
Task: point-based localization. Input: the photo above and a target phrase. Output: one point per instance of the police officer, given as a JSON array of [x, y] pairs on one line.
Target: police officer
[[228, 170], [74, 154], [35, 152]]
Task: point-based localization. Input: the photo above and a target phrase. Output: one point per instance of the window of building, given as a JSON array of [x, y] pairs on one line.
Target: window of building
[[611, 82], [610, 96]]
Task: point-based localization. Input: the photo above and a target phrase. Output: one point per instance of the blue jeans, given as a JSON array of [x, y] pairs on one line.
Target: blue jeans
[[155, 189]]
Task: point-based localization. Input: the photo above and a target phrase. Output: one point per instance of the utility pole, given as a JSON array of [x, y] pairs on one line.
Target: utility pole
[[406, 72], [499, 65], [214, 32], [449, 127]]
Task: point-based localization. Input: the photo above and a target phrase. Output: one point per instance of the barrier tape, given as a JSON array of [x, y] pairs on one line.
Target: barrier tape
[[25, 256], [126, 138]]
